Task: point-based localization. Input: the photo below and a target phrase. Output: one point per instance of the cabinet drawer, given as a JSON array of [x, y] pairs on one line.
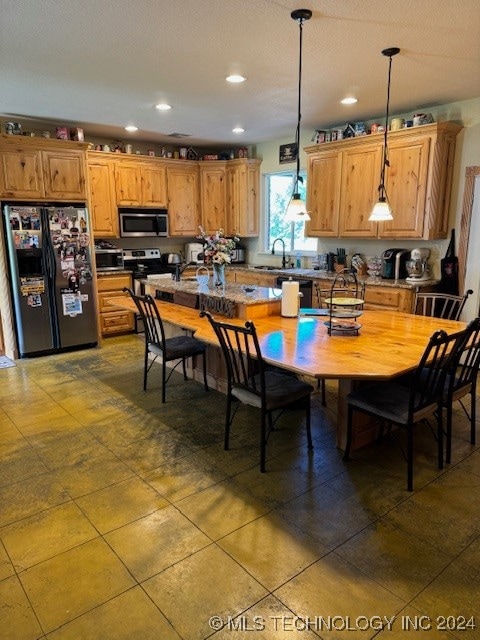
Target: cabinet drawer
[[396, 299], [116, 322], [114, 283], [104, 297]]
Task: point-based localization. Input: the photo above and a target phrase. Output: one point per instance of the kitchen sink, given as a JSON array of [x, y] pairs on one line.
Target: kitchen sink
[[265, 268]]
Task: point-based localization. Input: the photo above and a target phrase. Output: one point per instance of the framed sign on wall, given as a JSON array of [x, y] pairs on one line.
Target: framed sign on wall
[[288, 153]]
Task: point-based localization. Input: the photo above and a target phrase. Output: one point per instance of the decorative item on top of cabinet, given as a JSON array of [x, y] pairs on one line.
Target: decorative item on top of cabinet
[[113, 320], [183, 198], [418, 183], [42, 168]]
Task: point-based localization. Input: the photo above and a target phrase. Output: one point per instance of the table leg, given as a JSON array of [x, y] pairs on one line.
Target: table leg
[[365, 428]]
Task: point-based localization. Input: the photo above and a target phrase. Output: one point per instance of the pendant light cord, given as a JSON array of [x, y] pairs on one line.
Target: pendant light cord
[[299, 111], [385, 163]]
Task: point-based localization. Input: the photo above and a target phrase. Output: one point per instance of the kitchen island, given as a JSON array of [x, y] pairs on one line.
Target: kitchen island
[[232, 300]]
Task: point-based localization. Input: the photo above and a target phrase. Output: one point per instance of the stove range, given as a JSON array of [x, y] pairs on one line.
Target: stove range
[[145, 262]]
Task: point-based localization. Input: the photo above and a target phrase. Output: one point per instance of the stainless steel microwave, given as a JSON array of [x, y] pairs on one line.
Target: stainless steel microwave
[[109, 259], [140, 223]]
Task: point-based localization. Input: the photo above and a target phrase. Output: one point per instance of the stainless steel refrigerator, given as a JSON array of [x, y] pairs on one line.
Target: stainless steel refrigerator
[[50, 270]]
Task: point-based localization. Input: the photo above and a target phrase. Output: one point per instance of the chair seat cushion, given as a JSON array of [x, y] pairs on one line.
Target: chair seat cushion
[[387, 400], [281, 390], [179, 347]]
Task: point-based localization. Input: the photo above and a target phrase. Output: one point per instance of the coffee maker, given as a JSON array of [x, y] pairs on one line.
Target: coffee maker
[[418, 268], [393, 264]]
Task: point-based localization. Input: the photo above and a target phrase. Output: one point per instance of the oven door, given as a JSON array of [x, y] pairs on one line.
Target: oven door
[[136, 224]]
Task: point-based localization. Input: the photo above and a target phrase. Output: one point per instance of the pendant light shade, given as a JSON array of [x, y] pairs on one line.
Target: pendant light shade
[[381, 211], [296, 210]]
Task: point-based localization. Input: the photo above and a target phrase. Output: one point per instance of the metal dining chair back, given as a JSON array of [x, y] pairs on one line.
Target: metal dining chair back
[[252, 382], [176, 348], [462, 381], [440, 305]]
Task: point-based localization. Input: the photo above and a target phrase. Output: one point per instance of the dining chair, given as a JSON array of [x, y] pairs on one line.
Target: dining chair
[[250, 381], [440, 305], [178, 348], [462, 381], [396, 403]]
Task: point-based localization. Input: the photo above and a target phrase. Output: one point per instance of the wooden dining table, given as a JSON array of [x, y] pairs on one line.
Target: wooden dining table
[[388, 344]]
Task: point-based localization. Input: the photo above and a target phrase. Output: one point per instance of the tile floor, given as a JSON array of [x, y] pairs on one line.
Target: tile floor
[[122, 519]]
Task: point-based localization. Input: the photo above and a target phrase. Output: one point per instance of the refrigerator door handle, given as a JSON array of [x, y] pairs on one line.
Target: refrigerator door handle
[[50, 273]]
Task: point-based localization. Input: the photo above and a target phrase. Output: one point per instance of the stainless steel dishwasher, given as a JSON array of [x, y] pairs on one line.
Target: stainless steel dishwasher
[[305, 288]]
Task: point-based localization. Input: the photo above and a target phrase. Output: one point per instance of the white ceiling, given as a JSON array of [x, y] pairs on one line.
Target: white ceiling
[[103, 64]]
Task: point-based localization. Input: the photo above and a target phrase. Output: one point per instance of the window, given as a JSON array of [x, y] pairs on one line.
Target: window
[[279, 189]]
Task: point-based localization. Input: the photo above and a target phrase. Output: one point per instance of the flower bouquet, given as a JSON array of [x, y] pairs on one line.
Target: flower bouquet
[[217, 251]]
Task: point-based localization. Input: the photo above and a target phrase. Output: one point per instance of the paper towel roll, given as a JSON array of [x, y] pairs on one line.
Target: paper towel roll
[[290, 298]]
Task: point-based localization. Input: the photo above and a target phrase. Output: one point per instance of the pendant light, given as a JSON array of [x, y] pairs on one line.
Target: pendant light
[[381, 211], [296, 211]]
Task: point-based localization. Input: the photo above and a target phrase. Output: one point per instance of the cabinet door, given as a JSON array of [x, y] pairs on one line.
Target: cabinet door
[[183, 198], [359, 190], [64, 174], [102, 198], [154, 185], [128, 185], [213, 197], [323, 193], [243, 179], [21, 174], [406, 184]]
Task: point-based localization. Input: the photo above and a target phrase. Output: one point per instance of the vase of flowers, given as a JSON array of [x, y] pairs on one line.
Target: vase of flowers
[[217, 251]]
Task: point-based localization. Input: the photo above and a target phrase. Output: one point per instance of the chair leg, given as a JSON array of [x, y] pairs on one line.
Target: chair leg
[[440, 435], [164, 379], [145, 368], [184, 366], [410, 458], [308, 414], [227, 421], [448, 454], [321, 383], [473, 416], [263, 444], [205, 371], [348, 445]]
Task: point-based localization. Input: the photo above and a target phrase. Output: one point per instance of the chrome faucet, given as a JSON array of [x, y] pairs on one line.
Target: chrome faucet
[[284, 259]]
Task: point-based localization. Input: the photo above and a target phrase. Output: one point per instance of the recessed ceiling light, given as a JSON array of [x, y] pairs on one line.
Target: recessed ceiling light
[[235, 78], [162, 106], [238, 130], [349, 100], [131, 127]]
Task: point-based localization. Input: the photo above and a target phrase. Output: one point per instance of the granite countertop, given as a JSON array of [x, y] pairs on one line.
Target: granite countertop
[[314, 274], [236, 293]]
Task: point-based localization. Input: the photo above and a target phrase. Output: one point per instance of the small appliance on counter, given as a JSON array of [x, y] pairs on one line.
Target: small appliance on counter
[[417, 267], [194, 253], [394, 264], [108, 257], [238, 256]]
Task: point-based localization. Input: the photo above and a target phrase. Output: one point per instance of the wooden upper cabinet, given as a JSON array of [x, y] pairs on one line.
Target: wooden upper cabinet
[[243, 185], [183, 199], [39, 168], [64, 174], [213, 195], [406, 187], [418, 183], [141, 184], [154, 184], [103, 206], [21, 173], [323, 198], [359, 190], [128, 183]]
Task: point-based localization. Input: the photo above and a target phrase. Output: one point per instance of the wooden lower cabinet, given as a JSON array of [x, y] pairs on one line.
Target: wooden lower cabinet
[[392, 298], [113, 321], [259, 278]]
